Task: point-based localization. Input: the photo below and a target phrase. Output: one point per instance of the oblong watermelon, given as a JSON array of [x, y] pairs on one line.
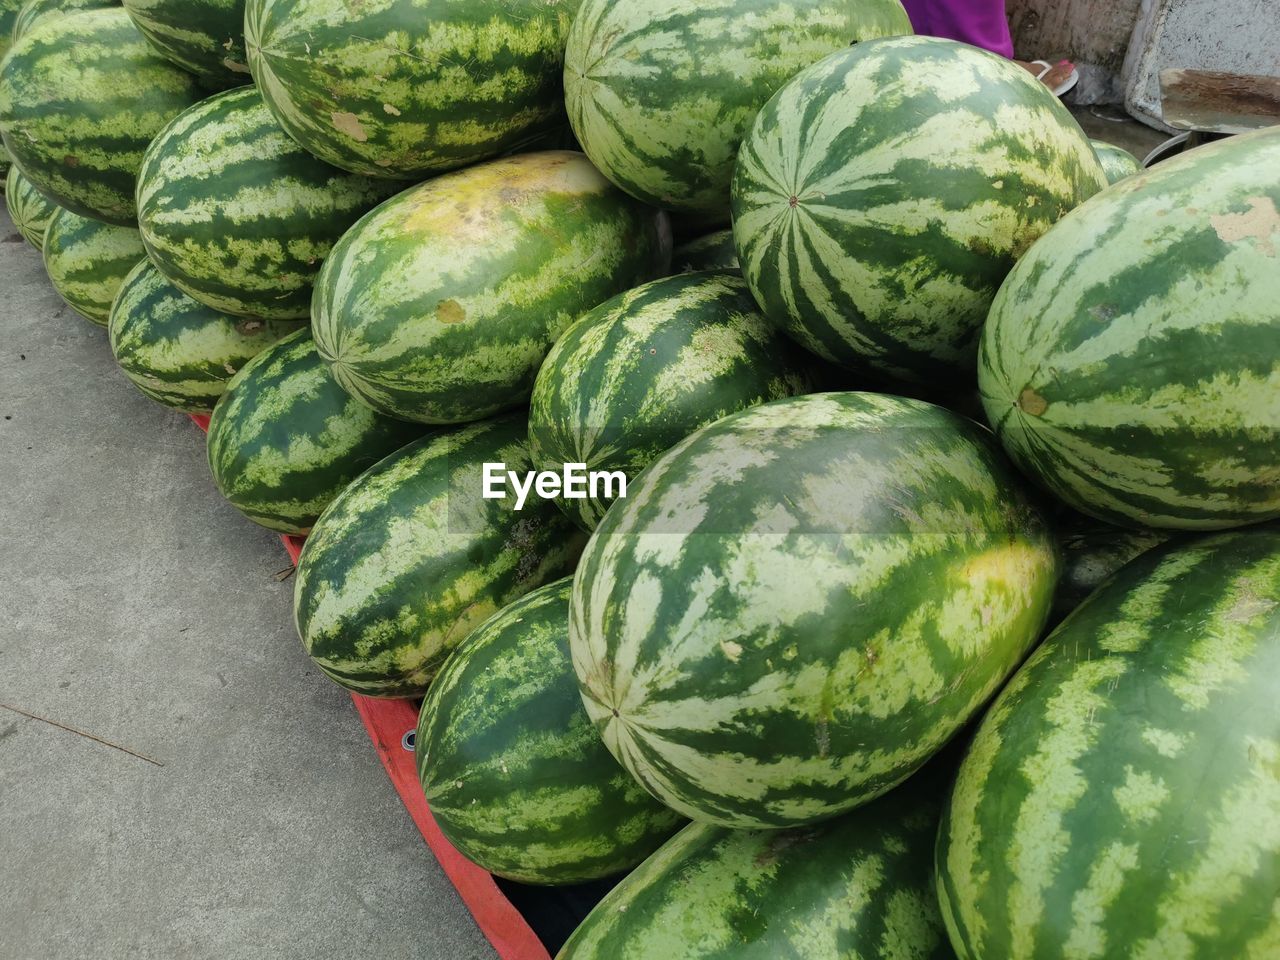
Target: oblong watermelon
[[800, 603], [440, 305], [661, 94], [1121, 798], [87, 261], [81, 96], [1131, 362], [859, 886], [642, 371], [203, 37], [1091, 552], [285, 440], [410, 559], [712, 251], [1117, 163], [176, 350], [237, 215], [885, 192], [410, 88], [513, 768], [33, 11], [28, 208]]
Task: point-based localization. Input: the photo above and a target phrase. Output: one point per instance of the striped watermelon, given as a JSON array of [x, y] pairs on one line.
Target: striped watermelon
[[203, 37], [884, 193], [81, 96], [410, 88], [513, 769], [712, 251], [1117, 163], [284, 440], [28, 208], [859, 886], [660, 94], [1091, 553], [410, 560], [33, 11], [87, 261], [1122, 796], [642, 371], [1132, 360], [237, 215], [801, 602], [440, 305], [177, 351]]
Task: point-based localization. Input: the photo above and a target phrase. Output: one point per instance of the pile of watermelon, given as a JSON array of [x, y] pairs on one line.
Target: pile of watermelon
[[928, 603]]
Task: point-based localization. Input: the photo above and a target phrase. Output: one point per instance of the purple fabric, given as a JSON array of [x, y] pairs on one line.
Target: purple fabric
[[979, 22]]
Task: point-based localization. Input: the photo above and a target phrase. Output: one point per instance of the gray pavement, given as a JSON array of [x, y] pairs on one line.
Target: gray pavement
[[137, 607]]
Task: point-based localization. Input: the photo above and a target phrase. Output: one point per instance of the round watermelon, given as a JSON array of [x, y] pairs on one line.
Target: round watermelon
[[87, 261], [1132, 360], [410, 88], [440, 305], [412, 558], [513, 769], [203, 37], [33, 11], [1117, 163], [28, 208], [800, 603], [81, 96], [284, 440], [1091, 552], [884, 193], [176, 350], [711, 251], [859, 886], [641, 372], [661, 94], [1121, 798], [237, 215]]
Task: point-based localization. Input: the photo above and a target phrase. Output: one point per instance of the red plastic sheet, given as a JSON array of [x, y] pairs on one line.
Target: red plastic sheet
[[388, 722]]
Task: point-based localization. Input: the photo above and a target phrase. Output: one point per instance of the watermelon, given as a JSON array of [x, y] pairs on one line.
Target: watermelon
[[711, 251], [87, 261], [800, 603], [884, 193], [203, 37], [1131, 363], [1117, 163], [411, 559], [1092, 552], [410, 88], [513, 769], [660, 94], [858, 886], [285, 440], [237, 215], [33, 11], [28, 208], [641, 372], [177, 351], [81, 96], [1122, 796], [440, 305]]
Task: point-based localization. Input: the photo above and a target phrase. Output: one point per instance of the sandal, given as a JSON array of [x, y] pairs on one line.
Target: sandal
[[1060, 79]]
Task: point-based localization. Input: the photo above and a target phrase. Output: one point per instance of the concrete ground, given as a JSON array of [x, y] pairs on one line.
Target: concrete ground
[[139, 608]]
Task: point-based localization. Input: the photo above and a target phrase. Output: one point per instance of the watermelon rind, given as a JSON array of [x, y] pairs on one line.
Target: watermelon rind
[[87, 261]]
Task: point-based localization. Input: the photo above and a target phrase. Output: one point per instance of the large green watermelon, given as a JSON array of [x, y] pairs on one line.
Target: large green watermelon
[[801, 602], [284, 440], [642, 371], [81, 96], [411, 558], [1122, 796], [1091, 552], [204, 37], [237, 215], [440, 305], [87, 261], [410, 88], [1117, 163], [176, 350], [884, 193], [33, 11], [1132, 360], [660, 93], [28, 208], [513, 768], [859, 886]]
